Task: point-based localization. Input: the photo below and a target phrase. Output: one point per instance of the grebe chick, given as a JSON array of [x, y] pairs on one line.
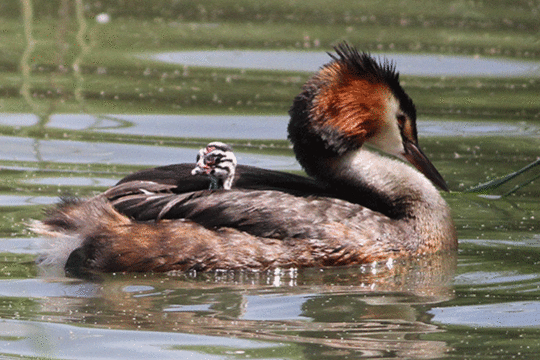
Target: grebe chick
[[357, 206], [218, 161]]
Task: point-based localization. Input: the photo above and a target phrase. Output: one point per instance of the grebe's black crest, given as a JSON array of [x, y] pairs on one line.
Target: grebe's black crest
[[364, 65]]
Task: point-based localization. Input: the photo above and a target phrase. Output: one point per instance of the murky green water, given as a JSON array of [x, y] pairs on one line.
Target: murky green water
[[82, 104]]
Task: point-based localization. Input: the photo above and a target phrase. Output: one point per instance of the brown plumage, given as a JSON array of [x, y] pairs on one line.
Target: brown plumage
[[358, 206]]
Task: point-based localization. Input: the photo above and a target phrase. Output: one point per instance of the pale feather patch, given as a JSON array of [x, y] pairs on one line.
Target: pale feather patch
[[56, 249], [388, 137]]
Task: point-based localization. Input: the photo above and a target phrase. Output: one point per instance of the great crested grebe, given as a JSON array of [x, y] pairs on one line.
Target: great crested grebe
[[218, 162], [357, 207]]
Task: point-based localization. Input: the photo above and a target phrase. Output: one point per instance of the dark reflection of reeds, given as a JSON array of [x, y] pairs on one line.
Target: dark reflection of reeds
[[82, 32], [371, 310], [26, 70]]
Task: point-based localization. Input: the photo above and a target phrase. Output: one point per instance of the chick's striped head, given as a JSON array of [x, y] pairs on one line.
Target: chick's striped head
[[218, 162]]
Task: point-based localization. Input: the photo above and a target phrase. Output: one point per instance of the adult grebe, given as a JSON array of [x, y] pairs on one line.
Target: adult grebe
[[358, 207], [218, 162]]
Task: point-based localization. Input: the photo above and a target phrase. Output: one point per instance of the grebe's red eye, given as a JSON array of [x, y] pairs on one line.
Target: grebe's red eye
[[401, 120]]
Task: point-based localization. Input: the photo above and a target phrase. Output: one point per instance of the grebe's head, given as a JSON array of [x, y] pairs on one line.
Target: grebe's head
[[218, 162], [352, 100]]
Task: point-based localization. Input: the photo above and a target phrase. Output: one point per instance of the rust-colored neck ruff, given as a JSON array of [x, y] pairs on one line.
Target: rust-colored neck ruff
[[350, 105], [346, 103]]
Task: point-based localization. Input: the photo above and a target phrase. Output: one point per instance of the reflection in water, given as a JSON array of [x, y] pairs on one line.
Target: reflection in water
[[26, 70], [85, 49], [86, 46], [42, 340], [409, 64], [26, 61], [369, 311], [514, 314], [80, 152], [241, 127]]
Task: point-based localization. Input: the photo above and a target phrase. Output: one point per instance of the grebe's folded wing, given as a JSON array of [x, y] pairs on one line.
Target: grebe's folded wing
[[137, 187], [264, 213], [251, 177], [246, 177], [178, 175]]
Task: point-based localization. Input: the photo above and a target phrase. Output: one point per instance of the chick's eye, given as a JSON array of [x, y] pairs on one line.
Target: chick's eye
[[213, 158]]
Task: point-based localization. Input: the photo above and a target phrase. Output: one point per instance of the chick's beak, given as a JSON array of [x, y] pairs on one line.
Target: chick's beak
[[415, 156]]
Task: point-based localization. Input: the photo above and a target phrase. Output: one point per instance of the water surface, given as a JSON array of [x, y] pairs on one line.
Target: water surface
[[83, 103], [409, 64]]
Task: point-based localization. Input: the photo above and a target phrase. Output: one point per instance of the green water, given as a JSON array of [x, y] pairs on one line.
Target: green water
[[82, 105]]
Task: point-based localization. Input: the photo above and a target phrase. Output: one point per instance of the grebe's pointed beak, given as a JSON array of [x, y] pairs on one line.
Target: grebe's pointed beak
[[415, 156]]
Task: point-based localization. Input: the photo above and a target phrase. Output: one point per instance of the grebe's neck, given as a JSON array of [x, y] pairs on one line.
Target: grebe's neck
[[383, 184], [393, 188]]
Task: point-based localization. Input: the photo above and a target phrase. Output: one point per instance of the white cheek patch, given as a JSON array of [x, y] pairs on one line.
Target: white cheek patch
[[388, 138]]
